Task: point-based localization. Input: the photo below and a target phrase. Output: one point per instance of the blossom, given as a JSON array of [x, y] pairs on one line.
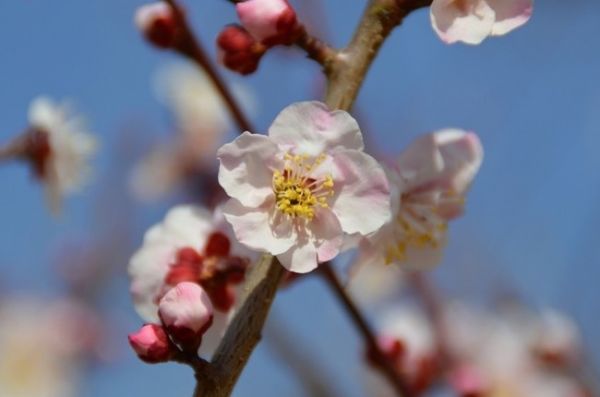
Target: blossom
[[298, 191], [151, 343], [43, 345], [471, 21], [192, 245], [186, 312], [201, 122], [268, 21], [429, 182], [59, 148]]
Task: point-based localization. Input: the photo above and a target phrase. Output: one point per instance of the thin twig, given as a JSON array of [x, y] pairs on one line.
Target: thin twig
[[395, 378], [190, 47], [15, 149]]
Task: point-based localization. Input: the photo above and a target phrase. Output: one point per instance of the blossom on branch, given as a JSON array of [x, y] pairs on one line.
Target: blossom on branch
[[151, 343], [429, 182], [190, 245], [471, 21], [58, 147], [298, 191], [238, 50]]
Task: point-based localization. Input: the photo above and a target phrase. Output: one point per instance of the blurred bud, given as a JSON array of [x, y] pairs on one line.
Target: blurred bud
[[186, 312], [555, 339], [151, 344], [269, 21], [238, 50], [157, 23]]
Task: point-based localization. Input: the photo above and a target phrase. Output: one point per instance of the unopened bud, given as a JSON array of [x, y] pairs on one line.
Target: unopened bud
[[186, 313], [467, 381], [269, 21], [151, 344], [157, 23], [238, 50]]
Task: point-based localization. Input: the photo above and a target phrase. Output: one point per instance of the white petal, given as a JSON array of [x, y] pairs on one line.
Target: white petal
[[246, 170], [362, 202], [256, 228], [311, 128], [327, 234], [469, 21], [510, 14], [301, 258]]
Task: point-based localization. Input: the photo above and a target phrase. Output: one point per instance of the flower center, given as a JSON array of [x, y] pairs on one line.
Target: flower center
[[418, 225], [298, 194]]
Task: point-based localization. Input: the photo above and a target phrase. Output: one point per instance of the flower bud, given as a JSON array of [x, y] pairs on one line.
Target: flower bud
[[467, 381], [238, 51], [151, 344], [157, 23], [269, 21], [186, 313]]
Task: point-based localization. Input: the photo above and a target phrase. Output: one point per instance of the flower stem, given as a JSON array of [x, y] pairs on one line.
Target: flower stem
[[395, 378], [190, 47]]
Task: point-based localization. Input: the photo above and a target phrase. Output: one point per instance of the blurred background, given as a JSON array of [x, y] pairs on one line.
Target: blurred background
[[530, 229]]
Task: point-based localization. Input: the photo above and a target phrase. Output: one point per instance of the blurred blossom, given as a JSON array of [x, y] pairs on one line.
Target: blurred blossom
[[201, 120], [43, 346], [490, 352], [191, 245], [471, 21], [429, 182], [298, 191], [59, 147]]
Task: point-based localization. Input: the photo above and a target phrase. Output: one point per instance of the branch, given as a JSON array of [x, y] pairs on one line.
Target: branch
[[386, 366], [353, 62], [15, 149], [244, 332], [188, 46]]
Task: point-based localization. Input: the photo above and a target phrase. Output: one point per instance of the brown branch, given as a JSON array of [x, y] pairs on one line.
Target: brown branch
[[15, 149], [367, 333], [353, 62], [317, 50], [188, 46], [244, 332]]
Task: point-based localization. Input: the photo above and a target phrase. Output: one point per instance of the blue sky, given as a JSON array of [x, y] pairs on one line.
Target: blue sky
[[533, 97]]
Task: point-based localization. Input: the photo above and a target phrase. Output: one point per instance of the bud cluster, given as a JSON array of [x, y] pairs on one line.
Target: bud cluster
[[264, 24], [186, 313]]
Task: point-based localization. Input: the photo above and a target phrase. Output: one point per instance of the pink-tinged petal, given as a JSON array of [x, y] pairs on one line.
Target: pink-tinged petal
[[447, 159], [186, 311], [462, 155], [510, 14], [188, 224], [301, 258], [151, 344], [362, 202], [311, 128], [469, 21], [246, 170], [327, 234], [267, 20], [258, 228]]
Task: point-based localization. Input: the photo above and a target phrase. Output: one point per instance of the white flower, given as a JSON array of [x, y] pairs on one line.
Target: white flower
[[429, 182], [471, 21], [63, 149], [296, 192], [193, 245]]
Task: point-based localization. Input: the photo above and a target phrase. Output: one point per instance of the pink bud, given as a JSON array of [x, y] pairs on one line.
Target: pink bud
[[186, 312], [269, 21], [157, 23], [238, 50], [151, 344], [468, 381]]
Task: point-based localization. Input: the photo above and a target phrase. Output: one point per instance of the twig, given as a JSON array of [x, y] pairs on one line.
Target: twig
[[15, 149], [367, 333], [317, 50], [189, 46]]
